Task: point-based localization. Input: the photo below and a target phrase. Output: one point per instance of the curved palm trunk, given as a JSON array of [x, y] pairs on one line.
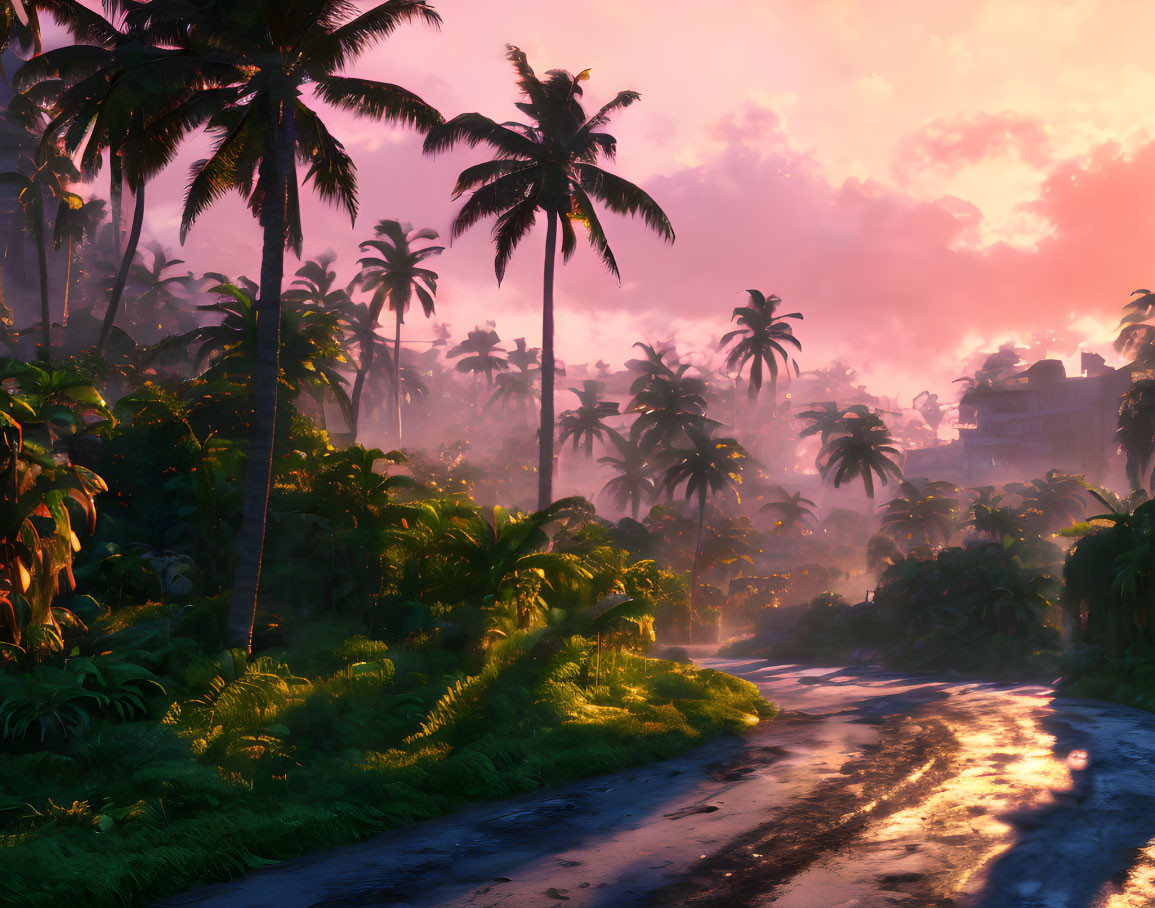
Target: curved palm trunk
[[545, 437], [67, 285], [122, 274], [278, 169], [42, 261], [397, 376], [358, 388], [116, 194]]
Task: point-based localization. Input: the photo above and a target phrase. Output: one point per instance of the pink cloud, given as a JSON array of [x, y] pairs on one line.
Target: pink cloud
[[946, 145]]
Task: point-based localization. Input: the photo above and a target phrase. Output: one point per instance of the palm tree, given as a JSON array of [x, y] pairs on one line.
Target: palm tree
[[549, 166], [668, 402], [861, 446], [394, 276], [316, 285], [77, 222], [161, 295], [516, 390], [588, 420], [1055, 501], [1135, 432], [20, 22], [127, 91], [760, 341], [252, 61], [480, 355], [635, 480], [795, 514], [707, 467], [48, 175], [523, 358], [311, 357], [924, 514], [374, 355]]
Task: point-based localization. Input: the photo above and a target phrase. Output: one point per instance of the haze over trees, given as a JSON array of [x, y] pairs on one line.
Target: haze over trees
[[233, 628]]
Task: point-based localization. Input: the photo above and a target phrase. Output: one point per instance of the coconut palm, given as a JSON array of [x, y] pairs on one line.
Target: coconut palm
[[480, 355], [860, 447], [516, 390], [394, 276], [761, 341], [795, 514], [635, 480], [128, 92], [990, 516], [46, 176], [587, 422], [316, 285], [523, 358], [77, 223], [161, 296], [252, 62], [923, 514], [548, 165], [668, 402], [1135, 432], [1055, 501], [374, 354], [707, 466]]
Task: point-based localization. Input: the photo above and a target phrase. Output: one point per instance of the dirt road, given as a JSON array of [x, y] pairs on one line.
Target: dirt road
[[872, 789]]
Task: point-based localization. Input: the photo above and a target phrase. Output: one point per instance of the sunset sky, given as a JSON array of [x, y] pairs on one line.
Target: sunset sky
[[920, 179]]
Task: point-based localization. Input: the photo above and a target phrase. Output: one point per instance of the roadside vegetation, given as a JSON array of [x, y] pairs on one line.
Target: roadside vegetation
[[279, 571]]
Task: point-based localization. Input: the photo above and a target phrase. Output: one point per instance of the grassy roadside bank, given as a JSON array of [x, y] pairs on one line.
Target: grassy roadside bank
[[264, 764]]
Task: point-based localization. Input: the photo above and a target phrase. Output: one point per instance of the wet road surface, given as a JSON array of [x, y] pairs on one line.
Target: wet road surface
[[872, 789]]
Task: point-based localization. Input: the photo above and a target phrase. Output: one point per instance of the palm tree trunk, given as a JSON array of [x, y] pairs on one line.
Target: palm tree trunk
[[278, 170], [397, 376], [122, 274], [694, 566], [545, 437], [42, 261], [359, 388], [116, 194], [67, 284]]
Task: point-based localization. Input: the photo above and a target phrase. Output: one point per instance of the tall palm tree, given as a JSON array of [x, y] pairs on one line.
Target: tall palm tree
[[761, 341], [547, 165], [395, 276], [374, 356], [588, 420], [46, 176], [635, 480], [862, 447], [253, 61], [124, 91], [480, 355], [77, 222], [707, 466]]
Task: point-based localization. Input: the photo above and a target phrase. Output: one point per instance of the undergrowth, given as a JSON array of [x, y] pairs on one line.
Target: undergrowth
[[258, 762]]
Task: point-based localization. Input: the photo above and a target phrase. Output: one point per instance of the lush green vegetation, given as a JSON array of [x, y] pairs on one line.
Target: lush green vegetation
[[228, 636]]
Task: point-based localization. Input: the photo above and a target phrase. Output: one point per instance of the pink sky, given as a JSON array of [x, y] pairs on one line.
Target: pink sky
[[919, 179]]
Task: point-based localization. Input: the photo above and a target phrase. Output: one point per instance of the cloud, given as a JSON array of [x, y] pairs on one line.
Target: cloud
[[950, 144]]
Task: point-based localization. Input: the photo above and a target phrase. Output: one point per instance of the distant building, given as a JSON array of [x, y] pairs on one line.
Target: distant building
[[1030, 422]]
